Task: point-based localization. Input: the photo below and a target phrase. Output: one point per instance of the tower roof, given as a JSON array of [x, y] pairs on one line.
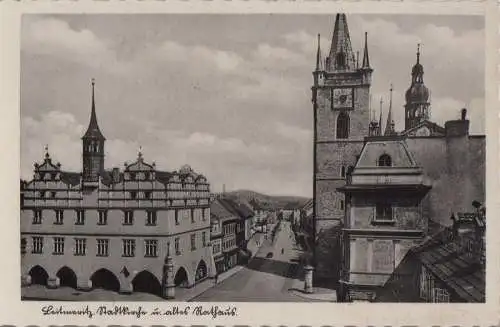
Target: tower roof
[[418, 92], [366, 58], [389, 126], [93, 130], [341, 54]]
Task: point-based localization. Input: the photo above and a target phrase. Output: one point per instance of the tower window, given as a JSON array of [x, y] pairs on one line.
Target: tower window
[[342, 126], [384, 161], [342, 171]]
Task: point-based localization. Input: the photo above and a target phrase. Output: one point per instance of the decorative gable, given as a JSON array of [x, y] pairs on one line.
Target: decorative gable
[[424, 129]]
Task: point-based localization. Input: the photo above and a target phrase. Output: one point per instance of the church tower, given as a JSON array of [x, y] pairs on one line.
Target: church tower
[[92, 148], [340, 97], [417, 97]]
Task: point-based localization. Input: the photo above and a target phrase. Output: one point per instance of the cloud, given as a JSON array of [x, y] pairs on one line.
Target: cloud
[[199, 57], [54, 37]]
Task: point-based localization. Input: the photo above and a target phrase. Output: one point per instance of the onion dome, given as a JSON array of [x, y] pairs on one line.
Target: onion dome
[[418, 92]]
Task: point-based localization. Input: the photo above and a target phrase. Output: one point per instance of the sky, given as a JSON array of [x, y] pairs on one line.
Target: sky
[[227, 94]]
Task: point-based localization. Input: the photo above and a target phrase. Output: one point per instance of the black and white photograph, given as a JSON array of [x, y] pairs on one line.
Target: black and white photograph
[[234, 158]]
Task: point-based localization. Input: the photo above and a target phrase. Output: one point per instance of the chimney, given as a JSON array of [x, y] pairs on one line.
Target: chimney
[[115, 175], [463, 223], [458, 128]]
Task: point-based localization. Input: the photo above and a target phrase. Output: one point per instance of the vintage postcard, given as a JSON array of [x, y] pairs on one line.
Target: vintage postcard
[[249, 163]]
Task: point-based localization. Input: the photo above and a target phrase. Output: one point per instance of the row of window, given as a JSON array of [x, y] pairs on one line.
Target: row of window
[[128, 246], [134, 195], [229, 229], [229, 243], [128, 217]]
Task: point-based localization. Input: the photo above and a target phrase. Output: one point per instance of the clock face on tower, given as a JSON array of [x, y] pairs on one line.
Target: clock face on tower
[[342, 98]]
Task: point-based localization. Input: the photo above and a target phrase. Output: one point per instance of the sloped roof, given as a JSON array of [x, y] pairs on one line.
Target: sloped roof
[[459, 270], [221, 212], [240, 209], [309, 204], [396, 149]]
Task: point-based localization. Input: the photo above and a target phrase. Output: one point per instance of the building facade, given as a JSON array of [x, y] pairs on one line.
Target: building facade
[[379, 185], [224, 236], [114, 229], [340, 97]]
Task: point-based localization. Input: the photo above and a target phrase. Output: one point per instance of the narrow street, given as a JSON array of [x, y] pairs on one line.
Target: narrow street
[[265, 278]]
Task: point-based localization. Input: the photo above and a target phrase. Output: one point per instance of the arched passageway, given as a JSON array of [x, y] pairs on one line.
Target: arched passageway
[[105, 279], [38, 275], [67, 277], [181, 278], [201, 271], [146, 282]]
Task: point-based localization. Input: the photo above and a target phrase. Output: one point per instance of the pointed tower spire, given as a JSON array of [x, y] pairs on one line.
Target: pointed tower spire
[[418, 53], [389, 126], [93, 130], [341, 56], [318, 54], [380, 117], [366, 58], [92, 149]]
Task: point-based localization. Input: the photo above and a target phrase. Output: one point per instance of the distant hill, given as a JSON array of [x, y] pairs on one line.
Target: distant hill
[[269, 201]]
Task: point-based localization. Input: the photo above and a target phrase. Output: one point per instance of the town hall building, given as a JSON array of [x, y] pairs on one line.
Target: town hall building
[[376, 190], [134, 229]]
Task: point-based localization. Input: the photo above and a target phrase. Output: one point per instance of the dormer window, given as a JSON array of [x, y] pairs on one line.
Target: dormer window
[[384, 161]]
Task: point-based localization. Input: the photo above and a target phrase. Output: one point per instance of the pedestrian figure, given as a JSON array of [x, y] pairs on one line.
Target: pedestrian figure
[[216, 278]]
